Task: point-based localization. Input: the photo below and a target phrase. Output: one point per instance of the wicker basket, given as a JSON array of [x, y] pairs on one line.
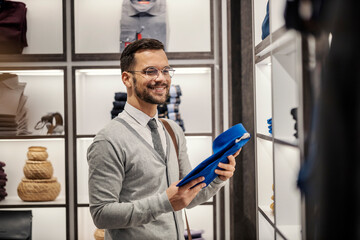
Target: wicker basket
[[38, 190], [38, 170], [99, 234], [37, 153]]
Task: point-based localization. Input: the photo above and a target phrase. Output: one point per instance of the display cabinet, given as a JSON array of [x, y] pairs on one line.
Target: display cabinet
[[186, 37], [67, 85], [278, 124], [94, 93], [45, 92], [45, 33]]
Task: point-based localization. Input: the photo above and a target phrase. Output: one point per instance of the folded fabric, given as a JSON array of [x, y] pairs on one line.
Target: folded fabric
[[2, 164], [3, 182], [174, 116], [119, 104], [162, 108], [175, 91], [174, 100], [173, 108], [120, 96], [194, 233], [226, 144]]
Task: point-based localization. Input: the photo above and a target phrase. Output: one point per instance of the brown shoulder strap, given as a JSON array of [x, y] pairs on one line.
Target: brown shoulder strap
[[173, 138], [172, 135]]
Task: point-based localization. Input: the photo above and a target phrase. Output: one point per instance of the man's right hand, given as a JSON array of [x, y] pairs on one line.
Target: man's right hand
[[181, 197]]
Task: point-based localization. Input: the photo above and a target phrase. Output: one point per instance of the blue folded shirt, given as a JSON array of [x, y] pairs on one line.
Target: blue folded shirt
[[226, 144]]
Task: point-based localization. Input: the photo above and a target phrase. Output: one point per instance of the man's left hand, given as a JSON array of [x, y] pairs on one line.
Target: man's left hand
[[229, 168]]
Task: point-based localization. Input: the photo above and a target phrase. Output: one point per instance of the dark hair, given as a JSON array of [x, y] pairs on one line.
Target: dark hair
[[127, 59]]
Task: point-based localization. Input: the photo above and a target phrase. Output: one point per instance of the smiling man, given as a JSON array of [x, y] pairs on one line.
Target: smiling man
[[133, 165]]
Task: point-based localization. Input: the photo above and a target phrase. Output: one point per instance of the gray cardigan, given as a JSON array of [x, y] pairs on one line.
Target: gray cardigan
[[128, 182]]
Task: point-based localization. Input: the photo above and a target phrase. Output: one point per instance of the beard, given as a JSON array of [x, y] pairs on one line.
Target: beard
[[146, 96]]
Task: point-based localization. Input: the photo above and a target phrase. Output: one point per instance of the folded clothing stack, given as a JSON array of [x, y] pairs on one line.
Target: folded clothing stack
[[3, 181], [173, 103], [13, 114], [269, 121], [195, 234], [13, 27], [119, 103], [293, 112]]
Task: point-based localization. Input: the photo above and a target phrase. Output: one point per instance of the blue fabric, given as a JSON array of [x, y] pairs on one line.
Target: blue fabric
[[223, 146], [265, 24]]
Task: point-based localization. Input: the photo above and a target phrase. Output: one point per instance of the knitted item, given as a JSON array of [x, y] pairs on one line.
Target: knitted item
[[226, 144]]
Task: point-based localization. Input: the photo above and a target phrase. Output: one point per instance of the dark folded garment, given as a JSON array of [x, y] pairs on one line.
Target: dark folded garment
[[120, 96], [3, 182], [173, 100], [119, 105], [195, 234], [226, 144], [2, 164], [3, 175], [162, 108]]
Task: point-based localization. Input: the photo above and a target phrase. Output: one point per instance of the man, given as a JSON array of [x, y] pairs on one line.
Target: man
[[132, 180]]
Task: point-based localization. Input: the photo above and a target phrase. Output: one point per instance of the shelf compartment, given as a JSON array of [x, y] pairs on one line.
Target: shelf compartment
[[264, 158], [287, 195], [93, 113], [263, 95], [46, 42], [48, 223], [50, 82], [285, 75], [265, 230], [14, 154], [105, 44], [196, 218]]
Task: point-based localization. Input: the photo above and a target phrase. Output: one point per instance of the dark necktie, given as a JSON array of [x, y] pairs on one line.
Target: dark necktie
[[156, 137]]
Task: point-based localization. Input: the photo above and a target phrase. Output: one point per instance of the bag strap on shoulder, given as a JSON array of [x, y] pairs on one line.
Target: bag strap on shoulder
[[173, 138]]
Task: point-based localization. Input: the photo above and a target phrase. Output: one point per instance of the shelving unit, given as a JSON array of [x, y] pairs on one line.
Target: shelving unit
[[277, 90], [51, 83], [81, 87]]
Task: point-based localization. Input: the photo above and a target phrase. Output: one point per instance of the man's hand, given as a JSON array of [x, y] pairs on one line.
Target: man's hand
[[229, 168], [180, 197]]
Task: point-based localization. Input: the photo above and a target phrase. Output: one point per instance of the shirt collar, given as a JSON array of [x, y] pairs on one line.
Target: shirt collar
[[152, 8], [141, 117]]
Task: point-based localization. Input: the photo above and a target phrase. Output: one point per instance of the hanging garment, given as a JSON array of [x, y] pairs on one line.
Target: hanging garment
[[226, 144], [142, 20], [13, 27]]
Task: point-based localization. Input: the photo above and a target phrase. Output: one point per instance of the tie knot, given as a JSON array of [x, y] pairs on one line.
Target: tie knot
[[152, 123]]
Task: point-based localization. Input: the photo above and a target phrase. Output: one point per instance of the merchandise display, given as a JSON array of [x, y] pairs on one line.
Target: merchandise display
[[142, 19], [13, 27], [48, 121], [265, 28], [99, 234], [293, 112], [269, 122], [3, 180], [16, 224], [13, 113], [272, 205], [118, 103], [224, 145], [39, 183], [170, 109]]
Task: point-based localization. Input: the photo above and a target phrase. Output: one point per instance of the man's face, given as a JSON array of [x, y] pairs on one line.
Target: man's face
[[148, 89]]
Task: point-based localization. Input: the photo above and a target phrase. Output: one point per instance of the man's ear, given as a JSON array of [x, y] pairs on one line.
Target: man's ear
[[126, 78]]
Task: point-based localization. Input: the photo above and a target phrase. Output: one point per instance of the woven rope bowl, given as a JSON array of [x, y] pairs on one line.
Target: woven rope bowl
[[37, 153], [99, 234], [38, 170], [38, 190]]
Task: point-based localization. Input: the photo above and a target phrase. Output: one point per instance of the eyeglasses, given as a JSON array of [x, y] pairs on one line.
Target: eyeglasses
[[153, 73]]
